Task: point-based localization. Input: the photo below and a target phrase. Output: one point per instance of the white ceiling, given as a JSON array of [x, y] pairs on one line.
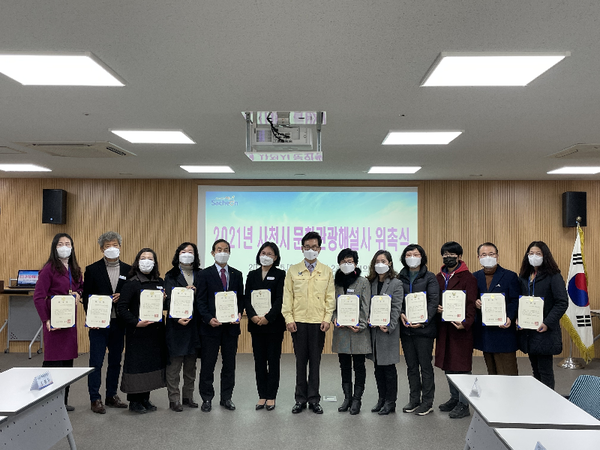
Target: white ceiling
[[195, 65]]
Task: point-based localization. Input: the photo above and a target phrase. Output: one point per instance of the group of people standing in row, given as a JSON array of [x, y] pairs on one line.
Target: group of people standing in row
[[303, 302]]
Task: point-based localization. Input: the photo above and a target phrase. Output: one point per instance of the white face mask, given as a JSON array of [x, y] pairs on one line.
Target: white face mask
[[146, 265], [381, 268], [311, 255], [488, 262], [347, 268], [186, 258], [536, 260], [265, 260], [63, 252], [222, 258], [413, 261], [112, 253]]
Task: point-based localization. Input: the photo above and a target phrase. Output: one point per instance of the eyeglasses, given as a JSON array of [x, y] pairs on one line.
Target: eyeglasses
[[270, 255], [347, 261], [314, 247], [449, 254]]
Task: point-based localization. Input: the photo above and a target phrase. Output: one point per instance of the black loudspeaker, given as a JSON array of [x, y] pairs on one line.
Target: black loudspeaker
[[574, 206], [54, 206]]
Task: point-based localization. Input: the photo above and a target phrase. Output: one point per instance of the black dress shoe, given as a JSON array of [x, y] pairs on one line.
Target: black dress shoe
[[69, 408], [150, 407], [190, 402], [388, 407], [271, 407], [206, 406], [175, 406], [137, 407], [227, 404], [378, 406], [316, 408], [298, 407]]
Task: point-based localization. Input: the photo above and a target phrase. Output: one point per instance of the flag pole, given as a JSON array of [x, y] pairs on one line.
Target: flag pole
[[570, 362]]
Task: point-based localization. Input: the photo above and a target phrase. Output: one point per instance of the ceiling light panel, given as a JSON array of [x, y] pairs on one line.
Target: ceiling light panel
[[394, 169], [58, 69], [420, 137], [154, 136], [207, 169], [23, 168], [575, 171], [490, 69]]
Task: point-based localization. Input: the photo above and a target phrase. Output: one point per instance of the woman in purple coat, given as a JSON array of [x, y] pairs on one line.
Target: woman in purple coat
[[61, 275]]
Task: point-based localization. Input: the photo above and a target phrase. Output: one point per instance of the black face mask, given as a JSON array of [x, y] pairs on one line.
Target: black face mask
[[450, 261]]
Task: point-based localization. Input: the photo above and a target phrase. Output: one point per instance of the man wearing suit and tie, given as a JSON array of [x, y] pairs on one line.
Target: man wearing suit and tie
[[106, 277], [218, 278]]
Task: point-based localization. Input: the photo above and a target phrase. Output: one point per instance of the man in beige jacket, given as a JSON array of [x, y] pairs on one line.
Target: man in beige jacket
[[308, 303]]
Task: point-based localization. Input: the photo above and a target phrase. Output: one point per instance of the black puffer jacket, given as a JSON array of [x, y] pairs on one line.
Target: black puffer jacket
[[425, 282]]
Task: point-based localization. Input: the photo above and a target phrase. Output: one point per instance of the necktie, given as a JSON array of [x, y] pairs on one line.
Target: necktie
[[223, 279], [311, 268]]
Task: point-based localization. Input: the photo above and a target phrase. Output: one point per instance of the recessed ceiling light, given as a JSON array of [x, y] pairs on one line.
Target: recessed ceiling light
[[208, 169], [58, 69], [489, 69], [23, 168], [575, 171], [420, 137], [154, 136], [394, 169]]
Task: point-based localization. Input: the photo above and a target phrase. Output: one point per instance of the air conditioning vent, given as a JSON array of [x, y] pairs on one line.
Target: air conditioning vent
[[579, 151], [79, 149]]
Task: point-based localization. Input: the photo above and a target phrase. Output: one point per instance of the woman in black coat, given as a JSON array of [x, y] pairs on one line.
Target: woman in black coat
[[540, 277], [417, 338], [183, 340], [266, 331], [145, 349]]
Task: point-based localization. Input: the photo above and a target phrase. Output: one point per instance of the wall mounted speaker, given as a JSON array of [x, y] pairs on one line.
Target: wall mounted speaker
[[574, 205], [54, 206]]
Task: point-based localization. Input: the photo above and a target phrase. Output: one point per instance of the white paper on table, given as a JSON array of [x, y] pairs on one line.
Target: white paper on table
[[454, 304], [62, 311], [381, 308], [260, 300], [98, 311], [226, 307], [348, 310], [493, 309], [151, 305], [182, 303], [531, 312], [416, 307]]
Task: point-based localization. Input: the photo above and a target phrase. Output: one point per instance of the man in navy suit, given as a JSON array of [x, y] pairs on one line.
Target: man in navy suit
[[214, 335], [498, 343], [106, 277]]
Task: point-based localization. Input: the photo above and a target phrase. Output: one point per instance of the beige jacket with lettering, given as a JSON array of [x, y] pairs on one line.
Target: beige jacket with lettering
[[308, 298]]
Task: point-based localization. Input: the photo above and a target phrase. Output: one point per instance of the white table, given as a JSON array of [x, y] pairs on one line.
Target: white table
[[36, 419], [516, 402], [526, 439]]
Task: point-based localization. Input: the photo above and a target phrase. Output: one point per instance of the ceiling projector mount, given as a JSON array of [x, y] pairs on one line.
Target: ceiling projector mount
[[284, 136]]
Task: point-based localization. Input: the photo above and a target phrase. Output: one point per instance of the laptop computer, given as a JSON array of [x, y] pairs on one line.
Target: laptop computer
[[26, 279]]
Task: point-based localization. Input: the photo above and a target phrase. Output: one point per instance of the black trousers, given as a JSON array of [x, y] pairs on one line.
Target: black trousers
[[386, 378], [455, 394], [63, 363], [421, 380], [543, 369], [360, 371], [308, 343], [139, 397], [209, 353], [266, 348], [113, 339]]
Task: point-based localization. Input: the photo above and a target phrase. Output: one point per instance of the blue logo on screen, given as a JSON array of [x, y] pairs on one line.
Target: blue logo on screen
[[224, 201]]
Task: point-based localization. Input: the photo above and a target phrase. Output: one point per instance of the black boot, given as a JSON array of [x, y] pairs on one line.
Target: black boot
[[388, 407], [356, 400], [379, 405], [347, 388]]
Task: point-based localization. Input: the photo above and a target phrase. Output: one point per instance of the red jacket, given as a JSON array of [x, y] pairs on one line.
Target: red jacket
[[454, 348]]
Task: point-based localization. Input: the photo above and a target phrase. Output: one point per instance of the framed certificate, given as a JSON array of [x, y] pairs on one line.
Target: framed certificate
[[454, 303], [98, 311], [493, 309], [62, 311], [381, 308], [182, 303], [348, 310], [151, 305], [416, 307], [261, 301], [531, 312], [226, 307]]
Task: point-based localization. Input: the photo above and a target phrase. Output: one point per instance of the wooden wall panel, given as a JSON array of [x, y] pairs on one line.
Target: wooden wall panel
[[163, 213]]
